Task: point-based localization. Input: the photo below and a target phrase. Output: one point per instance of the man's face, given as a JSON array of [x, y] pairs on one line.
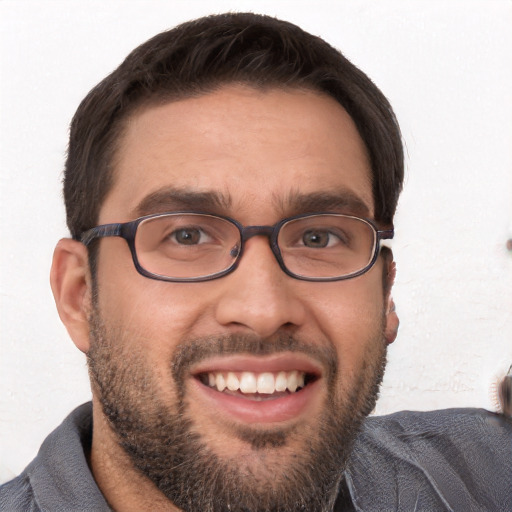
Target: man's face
[[159, 349]]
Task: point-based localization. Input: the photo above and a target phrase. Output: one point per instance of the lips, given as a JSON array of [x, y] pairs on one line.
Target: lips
[[258, 390]]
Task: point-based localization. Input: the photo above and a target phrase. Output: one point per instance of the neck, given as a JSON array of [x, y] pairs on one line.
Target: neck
[[123, 486]]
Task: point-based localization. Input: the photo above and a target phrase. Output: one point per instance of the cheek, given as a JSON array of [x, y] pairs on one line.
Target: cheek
[[351, 315], [355, 304], [145, 311]]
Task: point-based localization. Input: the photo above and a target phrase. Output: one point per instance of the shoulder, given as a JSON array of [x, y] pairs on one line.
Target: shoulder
[[18, 496], [457, 424], [454, 459], [462, 434], [59, 478]]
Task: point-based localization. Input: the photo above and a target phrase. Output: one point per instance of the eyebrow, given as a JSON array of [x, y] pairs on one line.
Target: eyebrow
[[170, 199], [343, 201]]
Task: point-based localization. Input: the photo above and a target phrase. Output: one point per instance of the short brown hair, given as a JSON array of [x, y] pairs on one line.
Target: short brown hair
[[196, 58]]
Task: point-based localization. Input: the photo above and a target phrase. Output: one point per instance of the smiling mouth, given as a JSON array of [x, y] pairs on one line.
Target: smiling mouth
[[257, 386]]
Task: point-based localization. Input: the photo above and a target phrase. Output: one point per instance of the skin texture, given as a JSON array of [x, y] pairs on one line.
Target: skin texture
[[258, 150]]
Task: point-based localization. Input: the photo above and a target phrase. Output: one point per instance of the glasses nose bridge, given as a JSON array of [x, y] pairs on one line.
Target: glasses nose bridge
[[251, 231], [248, 232]]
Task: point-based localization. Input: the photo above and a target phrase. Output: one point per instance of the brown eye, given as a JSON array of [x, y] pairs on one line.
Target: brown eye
[[187, 236], [316, 239]]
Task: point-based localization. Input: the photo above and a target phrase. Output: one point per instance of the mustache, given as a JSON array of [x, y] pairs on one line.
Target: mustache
[[193, 351]]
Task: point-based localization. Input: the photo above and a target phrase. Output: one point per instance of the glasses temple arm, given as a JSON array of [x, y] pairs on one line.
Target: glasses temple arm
[[386, 234], [101, 232]]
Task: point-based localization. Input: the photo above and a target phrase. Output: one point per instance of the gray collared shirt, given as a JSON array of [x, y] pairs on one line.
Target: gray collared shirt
[[450, 460]]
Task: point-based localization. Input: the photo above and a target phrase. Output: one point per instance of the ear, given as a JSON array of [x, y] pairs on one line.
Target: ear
[[71, 285], [392, 321]]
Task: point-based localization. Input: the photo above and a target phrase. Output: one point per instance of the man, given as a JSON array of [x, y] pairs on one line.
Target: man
[[228, 189]]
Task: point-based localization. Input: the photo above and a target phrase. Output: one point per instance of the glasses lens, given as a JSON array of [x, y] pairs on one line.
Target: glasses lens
[[186, 246], [327, 246]]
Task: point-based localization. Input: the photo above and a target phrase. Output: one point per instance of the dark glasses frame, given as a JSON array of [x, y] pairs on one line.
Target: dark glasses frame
[[128, 230]]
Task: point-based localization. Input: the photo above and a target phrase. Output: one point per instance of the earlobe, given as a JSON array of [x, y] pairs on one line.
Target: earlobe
[[71, 286], [392, 321]]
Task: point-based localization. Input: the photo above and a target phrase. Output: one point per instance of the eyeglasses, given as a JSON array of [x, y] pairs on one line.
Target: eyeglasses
[[188, 246]]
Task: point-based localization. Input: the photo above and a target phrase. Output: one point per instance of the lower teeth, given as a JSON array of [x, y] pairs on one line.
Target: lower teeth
[[259, 397]]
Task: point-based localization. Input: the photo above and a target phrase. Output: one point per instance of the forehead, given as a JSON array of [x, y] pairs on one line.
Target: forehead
[[252, 154]]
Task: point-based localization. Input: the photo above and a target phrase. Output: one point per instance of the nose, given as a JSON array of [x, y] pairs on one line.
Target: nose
[[258, 296]]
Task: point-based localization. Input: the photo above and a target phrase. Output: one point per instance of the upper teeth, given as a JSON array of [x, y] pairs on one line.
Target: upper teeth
[[250, 382]]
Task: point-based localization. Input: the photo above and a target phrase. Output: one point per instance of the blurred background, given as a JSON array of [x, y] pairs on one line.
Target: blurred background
[[445, 67]]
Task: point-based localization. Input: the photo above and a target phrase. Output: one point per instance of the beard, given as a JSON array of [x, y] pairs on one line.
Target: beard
[[165, 444]]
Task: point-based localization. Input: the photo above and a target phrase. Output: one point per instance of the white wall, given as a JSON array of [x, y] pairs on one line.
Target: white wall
[[445, 66]]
